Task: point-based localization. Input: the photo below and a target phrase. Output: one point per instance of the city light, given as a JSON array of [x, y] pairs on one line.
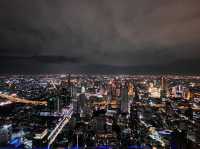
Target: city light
[[99, 111]]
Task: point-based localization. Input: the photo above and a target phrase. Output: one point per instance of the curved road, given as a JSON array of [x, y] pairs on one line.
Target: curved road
[[21, 100]]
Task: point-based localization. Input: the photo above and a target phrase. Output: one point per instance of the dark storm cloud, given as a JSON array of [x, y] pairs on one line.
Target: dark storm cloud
[[107, 32], [42, 59]]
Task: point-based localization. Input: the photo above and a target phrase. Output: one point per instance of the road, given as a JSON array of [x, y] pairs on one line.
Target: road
[[61, 124], [22, 100]]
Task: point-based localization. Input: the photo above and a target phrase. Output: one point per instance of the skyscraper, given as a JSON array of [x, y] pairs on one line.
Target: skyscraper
[[163, 91], [124, 99]]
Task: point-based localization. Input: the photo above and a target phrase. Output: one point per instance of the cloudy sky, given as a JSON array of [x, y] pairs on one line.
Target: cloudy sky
[[86, 35]]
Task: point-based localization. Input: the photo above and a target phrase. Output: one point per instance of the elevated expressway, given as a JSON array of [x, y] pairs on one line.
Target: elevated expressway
[[22, 100]]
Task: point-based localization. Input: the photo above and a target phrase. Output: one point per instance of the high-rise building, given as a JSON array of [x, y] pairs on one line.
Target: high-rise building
[[164, 90], [113, 89], [118, 90], [136, 98], [180, 92], [130, 89], [154, 92], [70, 88], [124, 99], [82, 104]]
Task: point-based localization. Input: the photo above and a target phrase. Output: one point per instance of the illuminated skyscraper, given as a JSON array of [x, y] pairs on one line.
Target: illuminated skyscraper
[[70, 89], [130, 89], [124, 99], [163, 91], [154, 92]]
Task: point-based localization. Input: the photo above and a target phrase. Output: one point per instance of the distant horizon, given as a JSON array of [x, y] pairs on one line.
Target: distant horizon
[[94, 73], [35, 66]]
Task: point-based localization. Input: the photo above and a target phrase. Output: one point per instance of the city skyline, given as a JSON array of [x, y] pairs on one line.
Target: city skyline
[[99, 74], [99, 111]]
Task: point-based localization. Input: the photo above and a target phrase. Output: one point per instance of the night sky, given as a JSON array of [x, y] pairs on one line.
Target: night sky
[[100, 36]]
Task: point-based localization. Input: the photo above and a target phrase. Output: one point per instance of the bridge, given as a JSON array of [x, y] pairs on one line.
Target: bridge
[[22, 100], [61, 124]]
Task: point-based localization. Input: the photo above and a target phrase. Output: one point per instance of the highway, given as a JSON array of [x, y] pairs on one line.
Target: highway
[[22, 100], [61, 124]]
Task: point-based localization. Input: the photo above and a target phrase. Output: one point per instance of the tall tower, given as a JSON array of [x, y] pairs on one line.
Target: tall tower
[[136, 98], [69, 90], [163, 91], [69, 84], [82, 102], [124, 99]]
